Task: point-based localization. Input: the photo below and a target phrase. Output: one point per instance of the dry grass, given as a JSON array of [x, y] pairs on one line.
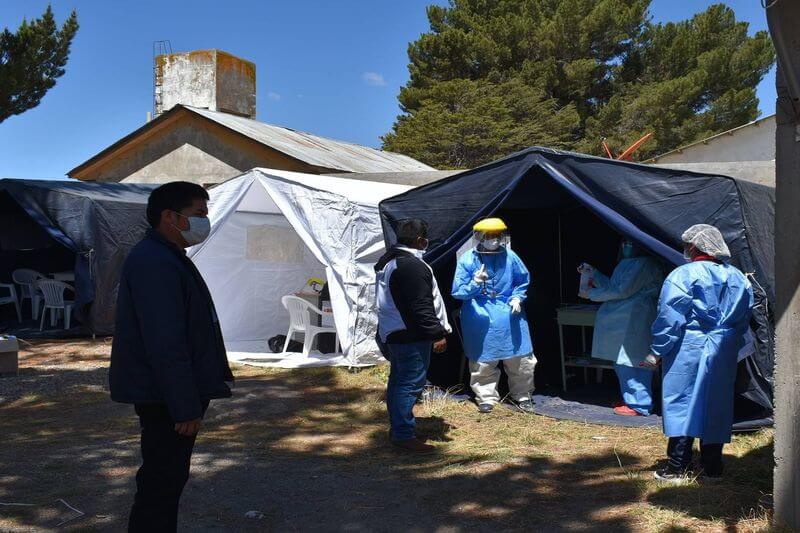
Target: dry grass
[[309, 449]]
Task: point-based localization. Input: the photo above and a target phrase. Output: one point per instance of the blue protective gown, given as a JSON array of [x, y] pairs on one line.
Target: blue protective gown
[[491, 332], [630, 296], [703, 315]]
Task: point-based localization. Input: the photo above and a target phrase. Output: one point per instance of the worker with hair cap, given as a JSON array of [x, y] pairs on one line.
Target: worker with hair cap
[[493, 283], [703, 318]]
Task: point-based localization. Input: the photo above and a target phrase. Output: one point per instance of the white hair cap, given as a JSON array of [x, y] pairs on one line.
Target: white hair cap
[[708, 240]]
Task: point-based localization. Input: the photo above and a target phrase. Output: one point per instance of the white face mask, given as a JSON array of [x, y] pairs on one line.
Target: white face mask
[[199, 228], [491, 245]]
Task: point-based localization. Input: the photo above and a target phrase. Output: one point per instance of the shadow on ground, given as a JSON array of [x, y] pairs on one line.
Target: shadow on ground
[[709, 502], [309, 454]]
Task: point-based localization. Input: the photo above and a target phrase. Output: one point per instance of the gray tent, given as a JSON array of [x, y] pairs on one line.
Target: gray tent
[[97, 222]]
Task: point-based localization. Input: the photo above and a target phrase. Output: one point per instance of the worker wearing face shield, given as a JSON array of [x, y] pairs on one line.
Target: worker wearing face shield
[[622, 327], [493, 282]]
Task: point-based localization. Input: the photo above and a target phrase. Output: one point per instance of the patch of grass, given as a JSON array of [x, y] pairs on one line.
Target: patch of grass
[[506, 471]]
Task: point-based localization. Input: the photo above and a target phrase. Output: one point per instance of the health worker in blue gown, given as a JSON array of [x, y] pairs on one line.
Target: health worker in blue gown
[[703, 318], [622, 325], [493, 283]]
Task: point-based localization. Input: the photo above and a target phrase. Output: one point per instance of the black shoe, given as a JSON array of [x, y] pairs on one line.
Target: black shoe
[[485, 408], [670, 475], [526, 406]]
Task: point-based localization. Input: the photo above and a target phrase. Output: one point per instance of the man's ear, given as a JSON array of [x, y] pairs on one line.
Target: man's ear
[[166, 217]]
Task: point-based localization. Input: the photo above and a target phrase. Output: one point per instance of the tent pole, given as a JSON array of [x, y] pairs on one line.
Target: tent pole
[[560, 269]]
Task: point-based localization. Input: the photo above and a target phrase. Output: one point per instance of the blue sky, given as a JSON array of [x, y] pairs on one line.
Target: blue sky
[[332, 68]]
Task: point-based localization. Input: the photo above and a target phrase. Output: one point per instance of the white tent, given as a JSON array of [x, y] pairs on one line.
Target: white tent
[[271, 231]]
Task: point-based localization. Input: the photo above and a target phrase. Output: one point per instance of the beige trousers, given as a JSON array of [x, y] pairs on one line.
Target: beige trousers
[[484, 377]]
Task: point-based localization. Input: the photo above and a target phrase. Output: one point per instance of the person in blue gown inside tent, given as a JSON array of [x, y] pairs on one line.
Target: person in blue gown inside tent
[[493, 282], [622, 325], [701, 327]]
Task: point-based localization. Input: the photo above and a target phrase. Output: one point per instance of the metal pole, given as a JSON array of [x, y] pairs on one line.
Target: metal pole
[[783, 18]]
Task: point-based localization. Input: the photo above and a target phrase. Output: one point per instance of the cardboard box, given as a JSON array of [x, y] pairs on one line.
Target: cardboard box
[[9, 356]]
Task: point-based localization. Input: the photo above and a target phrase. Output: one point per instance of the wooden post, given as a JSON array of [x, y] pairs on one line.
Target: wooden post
[[783, 17]]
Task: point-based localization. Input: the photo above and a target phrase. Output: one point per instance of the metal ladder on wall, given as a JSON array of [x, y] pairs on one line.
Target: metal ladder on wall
[[160, 48]]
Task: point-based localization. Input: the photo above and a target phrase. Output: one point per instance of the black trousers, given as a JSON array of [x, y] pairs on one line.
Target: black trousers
[[166, 456], [679, 450]]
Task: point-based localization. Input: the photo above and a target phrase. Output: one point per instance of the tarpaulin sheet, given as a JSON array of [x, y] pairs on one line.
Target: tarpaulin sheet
[[99, 222], [650, 205], [273, 230]]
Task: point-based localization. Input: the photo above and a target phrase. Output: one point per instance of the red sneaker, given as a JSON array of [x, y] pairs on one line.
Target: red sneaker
[[618, 403], [626, 411]]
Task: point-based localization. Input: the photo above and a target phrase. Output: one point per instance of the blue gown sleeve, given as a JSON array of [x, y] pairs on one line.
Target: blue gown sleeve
[[520, 281], [464, 287], [621, 286], [674, 306], [600, 280]]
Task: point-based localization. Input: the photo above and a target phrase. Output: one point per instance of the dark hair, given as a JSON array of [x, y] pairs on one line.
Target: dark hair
[[174, 196], [409, 230]]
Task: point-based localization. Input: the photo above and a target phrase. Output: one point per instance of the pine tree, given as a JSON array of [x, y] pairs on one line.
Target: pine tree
[[584, 69], [31, 60]]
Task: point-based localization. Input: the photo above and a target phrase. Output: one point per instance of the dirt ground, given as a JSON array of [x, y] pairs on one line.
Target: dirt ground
[[307, 451]]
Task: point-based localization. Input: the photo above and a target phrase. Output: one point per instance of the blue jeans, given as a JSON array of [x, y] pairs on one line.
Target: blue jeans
[[409, 368], [636, 385]]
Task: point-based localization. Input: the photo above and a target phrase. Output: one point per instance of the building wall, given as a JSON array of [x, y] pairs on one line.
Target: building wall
[[192, 149], [761, 172], [755, 142]]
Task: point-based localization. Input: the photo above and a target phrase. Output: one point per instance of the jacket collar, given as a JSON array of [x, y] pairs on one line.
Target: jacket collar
[[393, 253], [156, 236]]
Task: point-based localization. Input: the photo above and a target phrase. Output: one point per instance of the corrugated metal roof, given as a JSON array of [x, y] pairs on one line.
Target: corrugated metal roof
[[413, 179], [315, 150]]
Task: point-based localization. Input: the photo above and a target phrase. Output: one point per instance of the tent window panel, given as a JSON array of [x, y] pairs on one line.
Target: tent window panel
[[274, 244]]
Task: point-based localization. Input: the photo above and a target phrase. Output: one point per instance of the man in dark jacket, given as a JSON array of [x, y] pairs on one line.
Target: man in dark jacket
[[411, 321], [168, 358]]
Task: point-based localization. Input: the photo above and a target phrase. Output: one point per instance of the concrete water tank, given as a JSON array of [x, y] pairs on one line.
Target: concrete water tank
[[210, 79]]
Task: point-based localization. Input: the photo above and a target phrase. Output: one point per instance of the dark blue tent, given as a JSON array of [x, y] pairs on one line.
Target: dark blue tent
[[564, 207], [97, 222]]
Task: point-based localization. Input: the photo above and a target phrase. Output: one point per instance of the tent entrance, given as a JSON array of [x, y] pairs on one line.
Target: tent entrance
[[24, 243], [552, 233]]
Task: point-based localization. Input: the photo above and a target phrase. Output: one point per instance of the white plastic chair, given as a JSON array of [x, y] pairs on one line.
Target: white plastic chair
[[11, 298], [53, 292], [300, 321], [26, 279]]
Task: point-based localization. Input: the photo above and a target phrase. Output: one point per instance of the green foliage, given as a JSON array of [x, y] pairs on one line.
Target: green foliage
[[494, 76], [31, 60], [462, 123]]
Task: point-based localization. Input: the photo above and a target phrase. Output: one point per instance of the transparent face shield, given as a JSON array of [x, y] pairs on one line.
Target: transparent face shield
[[490, 243], [486, 243]]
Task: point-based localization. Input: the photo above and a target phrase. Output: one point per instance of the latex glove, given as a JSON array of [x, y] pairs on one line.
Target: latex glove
[[516, 306], [585, 268], [481, 275], [651, 361]]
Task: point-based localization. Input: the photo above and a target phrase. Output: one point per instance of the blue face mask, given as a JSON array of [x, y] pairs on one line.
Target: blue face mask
[[199, 228], [627, 250]]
